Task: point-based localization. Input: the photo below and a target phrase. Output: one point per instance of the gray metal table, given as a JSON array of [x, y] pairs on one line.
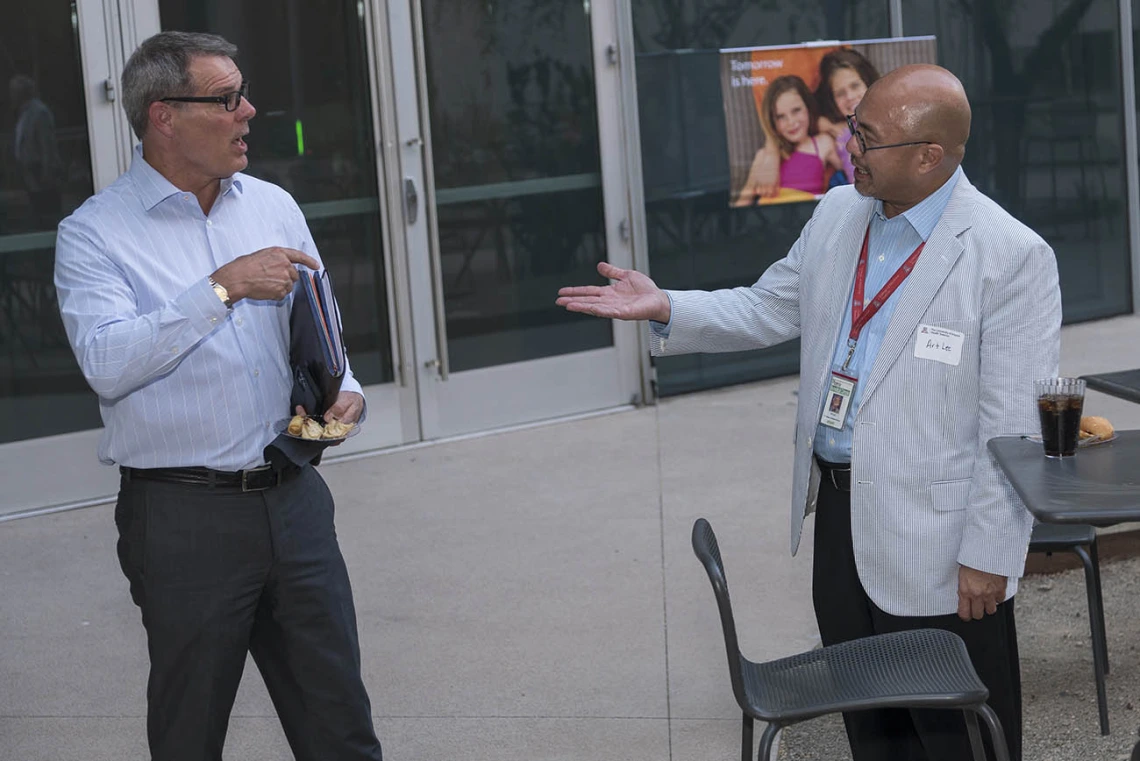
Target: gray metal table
[[1124, 384], [1101, 485]]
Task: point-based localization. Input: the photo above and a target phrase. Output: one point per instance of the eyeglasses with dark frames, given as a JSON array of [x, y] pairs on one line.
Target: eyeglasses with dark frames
[[230, 100], [853, 125]]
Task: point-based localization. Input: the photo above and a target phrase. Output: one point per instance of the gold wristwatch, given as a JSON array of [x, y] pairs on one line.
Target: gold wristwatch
[[223, 294]]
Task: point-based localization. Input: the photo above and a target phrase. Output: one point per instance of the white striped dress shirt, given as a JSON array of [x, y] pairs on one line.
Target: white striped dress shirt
[[181, 380]]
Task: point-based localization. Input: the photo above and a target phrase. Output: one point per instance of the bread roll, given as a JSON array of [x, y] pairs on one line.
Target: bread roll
[[1096, 426]]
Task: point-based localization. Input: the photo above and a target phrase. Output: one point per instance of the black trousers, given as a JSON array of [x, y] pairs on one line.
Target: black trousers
[[221, 573], [844, 612]]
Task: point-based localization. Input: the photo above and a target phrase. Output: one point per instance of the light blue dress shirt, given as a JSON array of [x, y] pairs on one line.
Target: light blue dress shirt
[[892, 241], [181, 380]]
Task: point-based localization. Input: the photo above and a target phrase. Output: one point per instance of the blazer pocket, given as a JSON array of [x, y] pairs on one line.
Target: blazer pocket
[[949, 496]]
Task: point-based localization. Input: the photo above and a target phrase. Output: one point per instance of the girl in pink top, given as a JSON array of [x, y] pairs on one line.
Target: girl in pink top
[[790, 118]]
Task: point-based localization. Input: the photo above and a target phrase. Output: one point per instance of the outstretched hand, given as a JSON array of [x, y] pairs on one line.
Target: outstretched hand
[[633, 296]]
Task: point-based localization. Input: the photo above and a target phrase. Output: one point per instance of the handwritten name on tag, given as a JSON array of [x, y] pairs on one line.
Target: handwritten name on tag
[[939, 344]]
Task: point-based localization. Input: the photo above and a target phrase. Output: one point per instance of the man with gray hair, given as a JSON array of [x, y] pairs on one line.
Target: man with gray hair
[[175, 288]]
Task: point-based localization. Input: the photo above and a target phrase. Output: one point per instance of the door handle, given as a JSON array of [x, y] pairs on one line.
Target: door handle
[[411, 200]]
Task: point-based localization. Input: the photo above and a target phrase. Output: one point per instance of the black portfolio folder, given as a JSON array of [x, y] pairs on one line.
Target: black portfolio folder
[[317, 360], [316, 351]]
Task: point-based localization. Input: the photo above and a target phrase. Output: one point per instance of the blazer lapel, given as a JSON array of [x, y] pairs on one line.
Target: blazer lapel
[[839, 257], [934, 264], [842, 254]]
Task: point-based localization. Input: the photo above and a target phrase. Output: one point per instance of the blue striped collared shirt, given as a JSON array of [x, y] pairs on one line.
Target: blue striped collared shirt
[[181, 380], [892, 241]]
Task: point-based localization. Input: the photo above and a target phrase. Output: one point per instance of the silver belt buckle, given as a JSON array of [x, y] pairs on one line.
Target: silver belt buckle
[[245, 478]]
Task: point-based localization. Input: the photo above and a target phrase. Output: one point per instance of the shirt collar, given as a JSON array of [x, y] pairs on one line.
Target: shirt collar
[[924, 215], [153, 188]]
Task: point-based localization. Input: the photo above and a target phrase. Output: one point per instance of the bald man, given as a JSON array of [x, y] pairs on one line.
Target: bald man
[[928, 310]]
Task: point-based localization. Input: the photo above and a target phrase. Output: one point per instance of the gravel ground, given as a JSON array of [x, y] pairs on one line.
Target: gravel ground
[[1059, 691]]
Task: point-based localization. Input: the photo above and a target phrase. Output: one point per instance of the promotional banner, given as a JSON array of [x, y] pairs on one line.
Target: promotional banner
[[785, 112]]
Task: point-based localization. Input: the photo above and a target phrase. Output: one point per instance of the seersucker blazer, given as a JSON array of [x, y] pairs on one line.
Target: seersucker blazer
[[926, 494]]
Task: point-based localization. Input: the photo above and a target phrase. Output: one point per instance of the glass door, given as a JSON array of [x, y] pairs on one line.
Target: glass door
[[60, 129], [310, 64], [515, 184]]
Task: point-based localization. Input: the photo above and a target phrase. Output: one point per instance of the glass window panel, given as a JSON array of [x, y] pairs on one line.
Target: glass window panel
[[45, 173], [517, 175], [308, 71], [695, 240], [1046, 139]]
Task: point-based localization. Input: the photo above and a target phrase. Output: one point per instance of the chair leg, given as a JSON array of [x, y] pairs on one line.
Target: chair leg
[[1096, 626], [997, 737], [1095, 557], [975, 735], [764, 753], [746, 739]]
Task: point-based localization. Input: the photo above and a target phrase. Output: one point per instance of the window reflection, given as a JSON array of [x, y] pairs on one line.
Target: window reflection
[[517, 174], [45, 173], [1046, 141]]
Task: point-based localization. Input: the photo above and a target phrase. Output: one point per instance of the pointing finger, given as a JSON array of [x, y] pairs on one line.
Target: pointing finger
[[298, 257]]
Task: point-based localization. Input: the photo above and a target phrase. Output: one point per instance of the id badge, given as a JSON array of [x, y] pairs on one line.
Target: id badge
[[839, 394]]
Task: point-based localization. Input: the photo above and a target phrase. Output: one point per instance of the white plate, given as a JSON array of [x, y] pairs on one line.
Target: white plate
[[1091, 441]]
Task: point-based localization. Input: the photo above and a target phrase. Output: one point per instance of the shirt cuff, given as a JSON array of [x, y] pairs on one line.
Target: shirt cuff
[[202, 306], [661, 329]]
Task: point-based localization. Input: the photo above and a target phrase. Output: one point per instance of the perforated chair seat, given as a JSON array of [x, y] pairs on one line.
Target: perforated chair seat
[[925, 668]]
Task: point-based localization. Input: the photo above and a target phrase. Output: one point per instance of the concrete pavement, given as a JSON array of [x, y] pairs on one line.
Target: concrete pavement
[[524, 595]]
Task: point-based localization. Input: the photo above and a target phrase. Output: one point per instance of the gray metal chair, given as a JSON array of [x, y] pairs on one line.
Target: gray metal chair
[[1080, 539], [925, 668]]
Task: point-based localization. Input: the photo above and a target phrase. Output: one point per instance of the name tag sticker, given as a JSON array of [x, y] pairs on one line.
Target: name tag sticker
[[939, 344]]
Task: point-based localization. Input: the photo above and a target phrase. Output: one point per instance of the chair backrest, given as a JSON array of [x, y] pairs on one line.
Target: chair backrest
[[708, 552]]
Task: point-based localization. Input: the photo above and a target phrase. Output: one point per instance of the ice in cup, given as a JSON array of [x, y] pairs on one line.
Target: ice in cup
[[1059, 404]]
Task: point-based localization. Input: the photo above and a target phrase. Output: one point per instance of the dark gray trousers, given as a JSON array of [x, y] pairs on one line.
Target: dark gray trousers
[[845, 612], [221, 573]]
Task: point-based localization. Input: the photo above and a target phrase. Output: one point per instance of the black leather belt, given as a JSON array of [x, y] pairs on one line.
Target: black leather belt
[[838, 473], [252, 479]]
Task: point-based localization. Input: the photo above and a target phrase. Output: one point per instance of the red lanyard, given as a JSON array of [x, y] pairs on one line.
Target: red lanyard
[[860, 316]]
